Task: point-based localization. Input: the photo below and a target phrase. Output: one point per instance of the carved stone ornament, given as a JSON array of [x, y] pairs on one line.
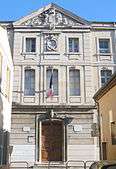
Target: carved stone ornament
[[51, 18], [51, 42]]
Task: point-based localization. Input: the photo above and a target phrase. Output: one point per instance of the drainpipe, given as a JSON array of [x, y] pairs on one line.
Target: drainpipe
[[99, 129]]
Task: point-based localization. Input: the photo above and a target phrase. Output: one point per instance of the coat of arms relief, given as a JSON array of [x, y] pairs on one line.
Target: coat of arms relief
[[51, 42], [51, 18]]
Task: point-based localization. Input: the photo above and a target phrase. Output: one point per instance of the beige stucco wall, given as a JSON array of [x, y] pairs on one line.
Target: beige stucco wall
[[107, 108], [5, 101]]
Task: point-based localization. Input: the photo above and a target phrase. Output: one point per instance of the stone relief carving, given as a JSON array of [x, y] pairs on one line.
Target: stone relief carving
[[51, 115], [51, 18], [51, 42]]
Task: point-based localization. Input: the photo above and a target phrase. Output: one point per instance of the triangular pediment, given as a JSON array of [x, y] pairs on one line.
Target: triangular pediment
[[51, 15]]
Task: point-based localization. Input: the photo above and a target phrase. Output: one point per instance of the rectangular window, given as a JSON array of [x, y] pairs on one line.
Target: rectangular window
[[29, 85], [54, 73], [113, 133], [30, 44], [74, 82], [73, 45], [104, 46], [105, 76]]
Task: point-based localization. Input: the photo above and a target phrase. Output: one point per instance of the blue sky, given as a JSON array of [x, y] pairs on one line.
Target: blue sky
[[93, 10]]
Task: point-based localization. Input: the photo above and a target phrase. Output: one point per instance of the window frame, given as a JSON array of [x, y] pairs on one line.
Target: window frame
[[101, 84], [47, 88], [24, 51], [30, 45], [73, 46], [78, 95], [30, 95], [108, 50]]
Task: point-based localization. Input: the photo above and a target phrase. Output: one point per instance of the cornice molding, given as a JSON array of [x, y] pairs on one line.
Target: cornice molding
[[36, 108]]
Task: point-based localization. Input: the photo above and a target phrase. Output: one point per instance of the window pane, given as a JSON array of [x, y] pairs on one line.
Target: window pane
[[33, 45], [27, 45], [29, 88], [74, 80], [48, 75], [54, 80], [105, 76], [70, 45], [30, 44], [76, 45], [73, 45]]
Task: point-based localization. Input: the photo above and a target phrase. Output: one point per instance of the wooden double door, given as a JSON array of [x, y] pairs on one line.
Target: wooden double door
[[52, 141]]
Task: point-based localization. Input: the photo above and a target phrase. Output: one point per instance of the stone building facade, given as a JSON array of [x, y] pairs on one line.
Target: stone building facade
[[53, 45]]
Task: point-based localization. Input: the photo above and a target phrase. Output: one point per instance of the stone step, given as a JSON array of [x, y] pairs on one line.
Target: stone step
[[54, 166]]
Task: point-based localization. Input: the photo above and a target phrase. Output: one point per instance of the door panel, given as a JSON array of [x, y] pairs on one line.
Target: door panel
[[52, 141]]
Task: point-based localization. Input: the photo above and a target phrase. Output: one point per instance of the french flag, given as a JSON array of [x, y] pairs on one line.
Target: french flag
[[50, 91]]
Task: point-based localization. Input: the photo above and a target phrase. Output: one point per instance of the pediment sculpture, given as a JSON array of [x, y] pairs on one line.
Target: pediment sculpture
[[51, 18]]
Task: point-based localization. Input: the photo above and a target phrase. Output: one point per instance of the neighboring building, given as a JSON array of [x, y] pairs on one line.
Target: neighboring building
[[6, 79], [105, 99], [77, 57]]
